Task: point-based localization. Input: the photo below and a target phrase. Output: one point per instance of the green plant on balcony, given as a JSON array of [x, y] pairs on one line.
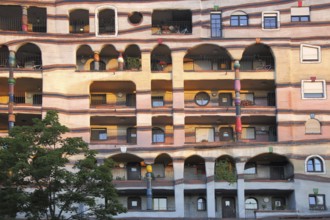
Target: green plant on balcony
[[224, 170], [133, 63]]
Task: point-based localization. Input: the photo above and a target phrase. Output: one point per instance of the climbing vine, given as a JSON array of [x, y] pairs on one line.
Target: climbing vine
[[224, 170]]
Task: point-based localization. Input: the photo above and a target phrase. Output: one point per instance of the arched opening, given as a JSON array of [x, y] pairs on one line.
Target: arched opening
[[207, 57], [132, 57], [79, 21], [109, 56], [107, 22], [29, 56], [4, 56], [194, 168], [128, 167], [84, 58], [258, 57], [225, 169], [161, 59], [163, 167]]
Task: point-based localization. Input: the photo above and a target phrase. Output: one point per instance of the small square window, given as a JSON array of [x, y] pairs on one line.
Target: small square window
[[270, 20], [157, 101], [99, 134], [313, 90], [249, 133], [159, 203], [310, 53], [317, 202]]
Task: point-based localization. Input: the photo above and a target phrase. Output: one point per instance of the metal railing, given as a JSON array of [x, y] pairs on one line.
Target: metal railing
[[11, 24], [256, 62], [4, 60], [28, 98], [161, 63], [206, 63], [27, 61], [172, 27]]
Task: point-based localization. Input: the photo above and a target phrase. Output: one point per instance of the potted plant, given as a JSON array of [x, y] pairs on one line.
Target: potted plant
[[133, 63]]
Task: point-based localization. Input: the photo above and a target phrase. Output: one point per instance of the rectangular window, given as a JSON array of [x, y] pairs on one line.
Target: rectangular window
[[300, 14], [216, 26], [159, 203], [310, 53], [98, 99], [313, 90], [239, 20], [271, 20], [299, 18], [248, 133], [317, 202], [204, 135], [99, 134], [157, 101]]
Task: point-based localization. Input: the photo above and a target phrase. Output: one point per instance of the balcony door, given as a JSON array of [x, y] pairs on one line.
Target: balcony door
[[228, 207], [133, 171]]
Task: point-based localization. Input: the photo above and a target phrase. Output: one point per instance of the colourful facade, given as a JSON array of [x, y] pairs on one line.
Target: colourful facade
[[189, 87]]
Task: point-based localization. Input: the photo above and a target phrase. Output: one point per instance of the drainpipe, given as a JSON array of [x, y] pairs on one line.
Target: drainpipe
[[238, 127], [11, 85], [149, 189]]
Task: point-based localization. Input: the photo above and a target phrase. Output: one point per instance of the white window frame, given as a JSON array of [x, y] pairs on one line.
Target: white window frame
[[268, 14], [323, 164], [97, 10], [310, 61], [310, 81]]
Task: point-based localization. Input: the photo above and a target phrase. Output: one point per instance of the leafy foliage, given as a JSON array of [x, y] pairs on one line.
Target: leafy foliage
[[224, 170], [47, 176]]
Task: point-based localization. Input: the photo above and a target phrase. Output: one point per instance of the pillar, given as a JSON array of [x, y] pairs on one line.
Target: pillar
[[96, 61], [11, 85], [238, 124], [240, 189], [210, 187], [178, 165], [120, 62], [149, 188], [24, 18]]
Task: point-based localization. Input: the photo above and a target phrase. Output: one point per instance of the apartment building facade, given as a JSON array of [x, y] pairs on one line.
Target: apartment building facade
[[189, 87]]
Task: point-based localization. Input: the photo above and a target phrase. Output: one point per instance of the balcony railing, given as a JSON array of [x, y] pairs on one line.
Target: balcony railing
[[112, 136], [11, 24], [258, 63], [172, 27], [28, 98], [161, 63], [4, 60], [25, 61]]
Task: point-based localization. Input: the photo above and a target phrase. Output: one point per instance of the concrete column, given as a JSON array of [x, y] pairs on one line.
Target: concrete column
[[11, 85], [240, 189], [24, 18], [178, 165], [178, 98], [210, 187]]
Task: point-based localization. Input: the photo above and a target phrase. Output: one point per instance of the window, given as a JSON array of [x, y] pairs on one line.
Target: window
[[239, 20], [204, 134], [312, 126], [299, 18], [131, 100], [158, 135], [314, 164], [310, 53], [216, 26], [134, 203], [159, 203], [278, 203], [106, 21], [317, 202], [202, 98], [300, 14], [250, 168], [99, 134], [157, 101], [98, 99], [313, 90], [251, 204], [270, 20], [131, 135], [247, 99], [248, 133], [201, 204]]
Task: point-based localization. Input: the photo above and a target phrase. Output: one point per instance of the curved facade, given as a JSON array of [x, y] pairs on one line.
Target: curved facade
[[190, 88]]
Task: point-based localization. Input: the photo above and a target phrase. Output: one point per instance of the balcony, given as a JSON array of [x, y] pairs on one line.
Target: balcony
[[167, 22]]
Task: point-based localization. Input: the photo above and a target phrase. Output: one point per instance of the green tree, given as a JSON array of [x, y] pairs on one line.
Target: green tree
[[47, 176], [224, 170]]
